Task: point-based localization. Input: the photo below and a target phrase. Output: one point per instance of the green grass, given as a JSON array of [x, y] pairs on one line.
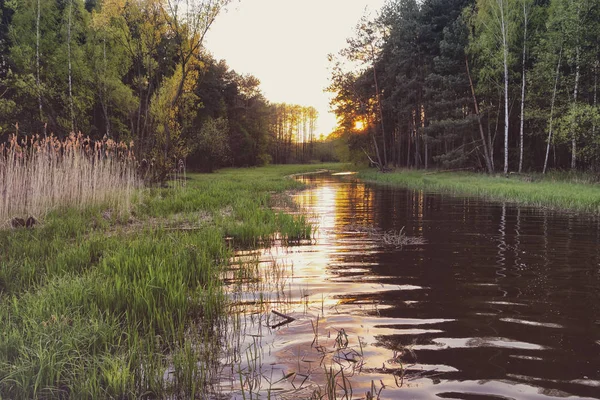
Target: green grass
[[558, 191], [94, 306]]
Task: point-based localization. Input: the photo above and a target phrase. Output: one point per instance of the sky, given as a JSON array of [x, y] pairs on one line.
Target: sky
[[285, 43]]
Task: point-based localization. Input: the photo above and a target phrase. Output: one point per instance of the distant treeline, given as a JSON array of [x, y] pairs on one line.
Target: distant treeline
[[138, 70], [496, 85]]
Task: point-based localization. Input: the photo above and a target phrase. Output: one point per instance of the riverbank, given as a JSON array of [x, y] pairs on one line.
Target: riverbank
[[97, 304], [557, 191]]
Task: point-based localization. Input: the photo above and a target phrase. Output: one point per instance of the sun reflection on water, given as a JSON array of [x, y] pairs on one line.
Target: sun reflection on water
[[423, 319]]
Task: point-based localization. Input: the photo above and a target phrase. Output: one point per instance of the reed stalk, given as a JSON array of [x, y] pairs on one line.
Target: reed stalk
[[38, 175]]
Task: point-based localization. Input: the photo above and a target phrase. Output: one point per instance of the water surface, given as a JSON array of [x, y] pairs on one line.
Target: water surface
[[499, 302]]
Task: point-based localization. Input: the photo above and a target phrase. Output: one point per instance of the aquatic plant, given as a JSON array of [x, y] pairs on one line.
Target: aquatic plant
[[136, 308], [395, 238], [41, 174]]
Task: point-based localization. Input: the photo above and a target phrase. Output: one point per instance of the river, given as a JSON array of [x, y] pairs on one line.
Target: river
[[492, 301]]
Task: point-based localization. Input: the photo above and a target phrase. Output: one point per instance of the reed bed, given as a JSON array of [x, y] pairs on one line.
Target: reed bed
[[41, 174]]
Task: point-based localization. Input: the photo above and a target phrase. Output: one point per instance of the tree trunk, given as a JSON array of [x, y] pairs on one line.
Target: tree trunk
[[397, 146], [595, 93], [552, 111], [140, 105], [576, 87], [70, 67], [380, 111], [486, 151], [573, 138], [523, 90], [424, 137], [104, 91], [381, 166], [142, 131], [426, 151], [408, 139], [415, 133], [505, 53], [172, 104], [492, 139], [37, 60]]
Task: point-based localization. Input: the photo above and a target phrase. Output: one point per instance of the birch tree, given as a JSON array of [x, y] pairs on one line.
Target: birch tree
[[34, 38], [37, 57], [69, 26], [575, 32], [549, 140], [495, 24], [526, 7]]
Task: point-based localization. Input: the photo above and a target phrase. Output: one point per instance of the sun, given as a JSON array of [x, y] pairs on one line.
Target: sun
[[359, 125]]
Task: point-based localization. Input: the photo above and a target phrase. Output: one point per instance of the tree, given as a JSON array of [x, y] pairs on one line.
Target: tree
[[353, 102], [449, 88], [495, 31], [135, 33], [442, 38], [577, 125], [404, 68], [48, 38], [137, 69], [69, 39], [109, 63], [552, 109], [527, 5], [213, 144], [33, 43], [188, 25], [7, 103], [71, 69]]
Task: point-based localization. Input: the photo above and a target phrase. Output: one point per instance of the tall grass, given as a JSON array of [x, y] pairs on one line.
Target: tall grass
[[94, 309], [41, 174]]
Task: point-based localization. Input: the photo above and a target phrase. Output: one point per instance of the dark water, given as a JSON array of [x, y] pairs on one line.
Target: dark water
[[500, 302]]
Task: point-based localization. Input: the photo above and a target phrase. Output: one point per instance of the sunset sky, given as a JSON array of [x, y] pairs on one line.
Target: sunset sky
[[285, 43]]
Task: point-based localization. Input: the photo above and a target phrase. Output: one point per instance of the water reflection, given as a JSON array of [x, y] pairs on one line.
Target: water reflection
[[501, 301]]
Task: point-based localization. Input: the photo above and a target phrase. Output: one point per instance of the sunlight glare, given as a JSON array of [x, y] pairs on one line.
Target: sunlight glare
[[359, 125], [269, 39]]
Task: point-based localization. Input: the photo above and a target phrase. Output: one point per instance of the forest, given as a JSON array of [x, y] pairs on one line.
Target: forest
[[138, 71], [490, 85]]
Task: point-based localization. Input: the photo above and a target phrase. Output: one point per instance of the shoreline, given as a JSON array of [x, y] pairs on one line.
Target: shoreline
[[556, 192]]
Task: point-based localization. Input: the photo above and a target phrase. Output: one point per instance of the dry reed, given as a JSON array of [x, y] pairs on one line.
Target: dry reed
[[389, 238], [38, 175]]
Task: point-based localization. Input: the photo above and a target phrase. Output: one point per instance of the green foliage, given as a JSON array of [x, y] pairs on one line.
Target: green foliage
[[440, 67], [211, 143], [487, 42], [581, 122], [291, 127], [137, 71], [448, 93], [136, 298]]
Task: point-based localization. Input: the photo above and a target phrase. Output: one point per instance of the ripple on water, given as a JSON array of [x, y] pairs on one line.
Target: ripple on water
[[458, 343], [532, 323], [502, 303]]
